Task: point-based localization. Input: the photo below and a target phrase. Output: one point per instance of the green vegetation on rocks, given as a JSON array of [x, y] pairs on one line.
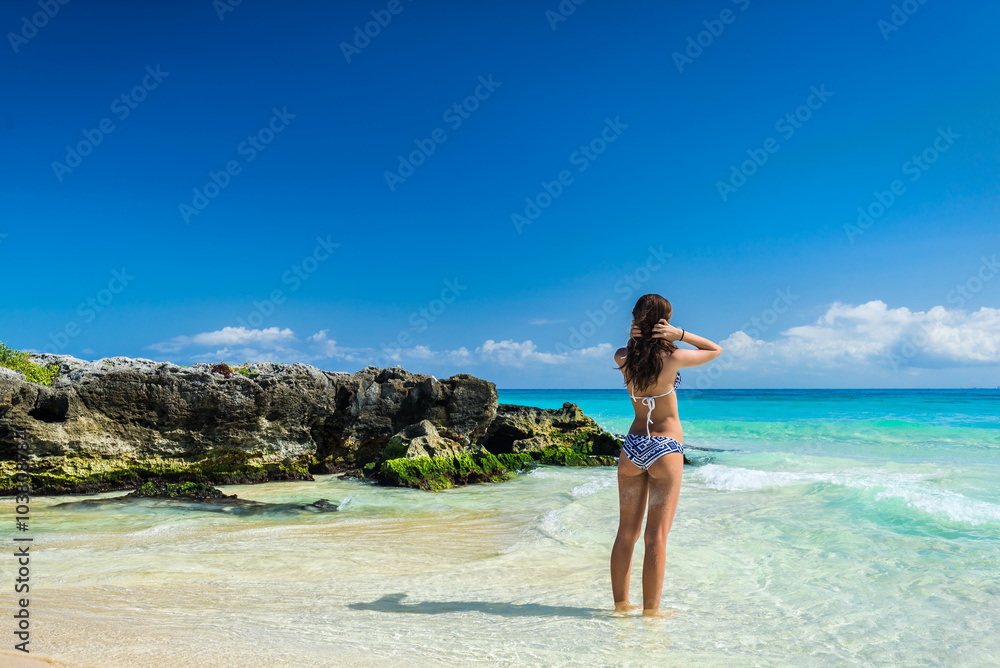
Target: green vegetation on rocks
[[439, 473], [188, 490], [90, 475], [19, 361]]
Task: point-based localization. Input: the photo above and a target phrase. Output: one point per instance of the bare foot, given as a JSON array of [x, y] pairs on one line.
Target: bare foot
[[666, 612], [625, 606]]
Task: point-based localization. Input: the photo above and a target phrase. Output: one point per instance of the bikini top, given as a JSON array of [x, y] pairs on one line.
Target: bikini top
[[650, 402]]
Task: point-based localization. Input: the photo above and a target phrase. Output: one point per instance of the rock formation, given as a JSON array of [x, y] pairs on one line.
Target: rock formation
[[118, 422]]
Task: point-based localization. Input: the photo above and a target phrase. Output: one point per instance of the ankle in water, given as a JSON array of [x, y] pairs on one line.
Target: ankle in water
[[659, 613]]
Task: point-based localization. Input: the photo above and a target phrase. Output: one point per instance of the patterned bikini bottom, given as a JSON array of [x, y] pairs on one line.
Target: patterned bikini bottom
[[644, 450]]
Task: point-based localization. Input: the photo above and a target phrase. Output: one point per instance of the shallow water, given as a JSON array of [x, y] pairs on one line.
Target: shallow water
[[837, 529]]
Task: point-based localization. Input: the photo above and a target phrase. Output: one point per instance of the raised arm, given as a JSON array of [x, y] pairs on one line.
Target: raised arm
[[706, 350]]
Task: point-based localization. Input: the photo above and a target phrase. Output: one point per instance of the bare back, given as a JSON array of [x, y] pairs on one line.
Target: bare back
[[665, 420]]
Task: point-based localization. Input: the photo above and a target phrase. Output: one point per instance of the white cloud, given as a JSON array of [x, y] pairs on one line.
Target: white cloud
[[460, 355], [872, 334], [227, 336], [270, 344], [324, 347], [244, 336], [513, 353], [505, 353], [240, 355], [845, 339], [420, 353]]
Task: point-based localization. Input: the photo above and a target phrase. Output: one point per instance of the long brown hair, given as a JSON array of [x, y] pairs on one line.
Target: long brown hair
[[642, 362]]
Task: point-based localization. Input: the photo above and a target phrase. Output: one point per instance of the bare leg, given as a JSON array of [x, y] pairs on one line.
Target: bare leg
[[632, 488], [664, 491]]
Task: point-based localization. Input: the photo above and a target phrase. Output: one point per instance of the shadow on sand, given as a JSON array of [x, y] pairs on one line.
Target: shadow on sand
[[393, 603]]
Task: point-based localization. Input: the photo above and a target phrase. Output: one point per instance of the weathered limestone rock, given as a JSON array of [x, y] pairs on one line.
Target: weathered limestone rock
[[422, 440], [111, 423], [118, 423], [12, 374], [527, 429]]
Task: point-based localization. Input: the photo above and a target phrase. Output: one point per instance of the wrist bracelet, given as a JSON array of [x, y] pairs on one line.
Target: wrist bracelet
[[682, 335]]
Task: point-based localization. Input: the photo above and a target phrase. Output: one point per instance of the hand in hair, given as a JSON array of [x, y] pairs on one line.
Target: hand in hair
[[661, 330]]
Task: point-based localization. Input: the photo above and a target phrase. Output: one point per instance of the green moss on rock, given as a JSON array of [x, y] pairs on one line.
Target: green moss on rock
[[439, 473], [77, 475], [187, 490], [589, 442]]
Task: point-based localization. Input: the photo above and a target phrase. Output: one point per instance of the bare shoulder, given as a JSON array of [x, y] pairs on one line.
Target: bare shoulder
[[620, 353], [675, 358], [686, 358], [680, 354]]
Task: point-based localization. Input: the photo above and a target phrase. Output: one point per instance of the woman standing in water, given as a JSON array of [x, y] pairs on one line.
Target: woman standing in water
[[652, 457]]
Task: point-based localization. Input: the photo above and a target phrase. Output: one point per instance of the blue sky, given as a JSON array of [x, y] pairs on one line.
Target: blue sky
[[194, 181]]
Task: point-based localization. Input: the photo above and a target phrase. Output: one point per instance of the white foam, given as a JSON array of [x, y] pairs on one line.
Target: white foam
[[735, 479], [908, 487], [593, 487], [942, 502], [552, 525]]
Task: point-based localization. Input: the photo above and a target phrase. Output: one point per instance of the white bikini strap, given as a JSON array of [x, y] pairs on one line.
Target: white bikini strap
[[650, 403]]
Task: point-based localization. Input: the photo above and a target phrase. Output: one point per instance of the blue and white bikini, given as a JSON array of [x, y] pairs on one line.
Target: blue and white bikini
[[643, 451]]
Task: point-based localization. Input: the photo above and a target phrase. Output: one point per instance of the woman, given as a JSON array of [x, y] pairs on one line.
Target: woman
[[652, 456]]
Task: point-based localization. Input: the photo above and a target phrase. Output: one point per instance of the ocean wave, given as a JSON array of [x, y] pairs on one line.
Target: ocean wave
[[552, 525], [910, 489], [593, 487], [951, 505]]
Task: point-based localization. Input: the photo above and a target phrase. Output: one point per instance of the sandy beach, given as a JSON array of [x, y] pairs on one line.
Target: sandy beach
[[21, 660]]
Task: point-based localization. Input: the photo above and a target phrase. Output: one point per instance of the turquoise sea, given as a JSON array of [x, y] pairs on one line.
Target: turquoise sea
[[836, 528]]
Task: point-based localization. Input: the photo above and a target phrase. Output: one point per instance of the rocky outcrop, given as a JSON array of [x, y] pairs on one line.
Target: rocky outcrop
[[519, 438], [530, 429], [112, 423], [423, 440], [118, 423]]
